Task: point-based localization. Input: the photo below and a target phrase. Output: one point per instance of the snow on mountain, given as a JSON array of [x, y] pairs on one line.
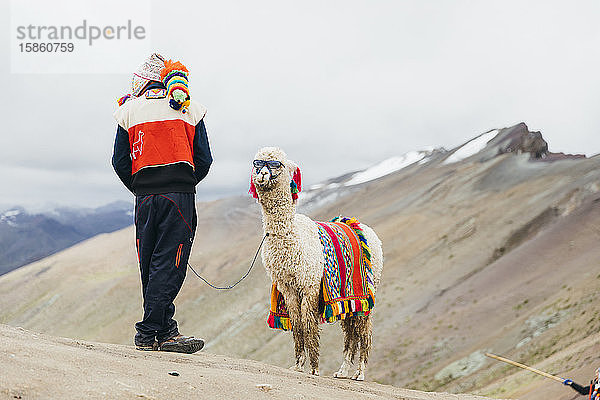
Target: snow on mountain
[[9, 217], [11, 213], [330, 190], [471, 147], [387, 167]]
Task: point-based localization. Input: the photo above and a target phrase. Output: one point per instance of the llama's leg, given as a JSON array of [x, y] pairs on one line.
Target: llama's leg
[[350, 346], [310, 319], [293, 307], [364, 331]]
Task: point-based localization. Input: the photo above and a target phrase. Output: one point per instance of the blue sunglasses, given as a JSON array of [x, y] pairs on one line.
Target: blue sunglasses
[[272, 164]]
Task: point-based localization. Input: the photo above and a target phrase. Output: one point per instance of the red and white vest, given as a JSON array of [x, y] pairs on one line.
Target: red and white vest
[[158, 134]]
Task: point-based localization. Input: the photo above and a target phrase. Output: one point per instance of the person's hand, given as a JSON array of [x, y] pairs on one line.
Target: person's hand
[[567, 382]]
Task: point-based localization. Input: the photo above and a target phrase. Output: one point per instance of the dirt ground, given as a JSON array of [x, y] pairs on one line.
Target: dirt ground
[[37, 366]]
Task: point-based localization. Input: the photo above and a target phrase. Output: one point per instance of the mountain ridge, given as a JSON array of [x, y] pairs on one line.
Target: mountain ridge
[[29, 236]]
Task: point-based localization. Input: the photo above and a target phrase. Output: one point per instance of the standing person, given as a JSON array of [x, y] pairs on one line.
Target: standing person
[[161, 153], [593, 390]]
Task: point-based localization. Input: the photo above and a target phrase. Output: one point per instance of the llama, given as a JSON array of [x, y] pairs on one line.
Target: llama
[[294, 258]]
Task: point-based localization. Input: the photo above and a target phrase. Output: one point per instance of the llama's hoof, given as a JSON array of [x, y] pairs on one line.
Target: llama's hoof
[[341, 374], [358, 376], [315, 372], [297, 368]]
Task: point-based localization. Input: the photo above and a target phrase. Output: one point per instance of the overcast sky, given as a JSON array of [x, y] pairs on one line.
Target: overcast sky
[[339, 85]]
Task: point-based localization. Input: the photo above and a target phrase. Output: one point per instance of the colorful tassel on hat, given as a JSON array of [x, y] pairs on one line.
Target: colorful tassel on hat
[[175, 78], [121, 100]]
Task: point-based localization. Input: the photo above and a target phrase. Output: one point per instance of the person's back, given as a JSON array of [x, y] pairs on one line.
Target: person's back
[[161, 153]]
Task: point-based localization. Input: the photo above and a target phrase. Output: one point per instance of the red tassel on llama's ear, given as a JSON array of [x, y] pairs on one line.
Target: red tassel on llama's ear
[[298, 178], [252, 189], [296, 184]]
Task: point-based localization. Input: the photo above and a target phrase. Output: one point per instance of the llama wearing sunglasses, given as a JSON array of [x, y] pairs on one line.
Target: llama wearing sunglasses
[[320, 271]]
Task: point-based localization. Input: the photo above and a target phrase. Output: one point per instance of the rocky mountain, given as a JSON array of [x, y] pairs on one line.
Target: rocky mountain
[[486, 249], [26, 237]]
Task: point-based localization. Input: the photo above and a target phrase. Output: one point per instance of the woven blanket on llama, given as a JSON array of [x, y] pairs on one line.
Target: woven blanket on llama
[[347, 283]]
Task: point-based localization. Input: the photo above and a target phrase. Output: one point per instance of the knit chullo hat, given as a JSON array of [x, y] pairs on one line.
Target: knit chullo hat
[[175, 78], [147, 72]]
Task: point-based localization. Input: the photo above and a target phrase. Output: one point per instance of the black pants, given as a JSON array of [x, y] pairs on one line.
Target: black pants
[[165, 225]]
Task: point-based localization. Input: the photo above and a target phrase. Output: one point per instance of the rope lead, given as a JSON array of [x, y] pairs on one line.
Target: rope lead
[[241, 279]]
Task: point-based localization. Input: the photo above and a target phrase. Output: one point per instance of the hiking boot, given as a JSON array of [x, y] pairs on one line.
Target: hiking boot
[[182, 344], [147, 346]]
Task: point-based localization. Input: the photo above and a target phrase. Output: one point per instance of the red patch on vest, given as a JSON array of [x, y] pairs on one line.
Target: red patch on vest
[[161, 143]]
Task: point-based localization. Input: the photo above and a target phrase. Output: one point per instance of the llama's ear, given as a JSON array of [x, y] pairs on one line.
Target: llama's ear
[[252, 189]]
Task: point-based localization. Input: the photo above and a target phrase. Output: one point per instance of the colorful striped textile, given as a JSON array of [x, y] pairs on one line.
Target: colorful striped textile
[[278, 315], [347, 284], [175, 78]]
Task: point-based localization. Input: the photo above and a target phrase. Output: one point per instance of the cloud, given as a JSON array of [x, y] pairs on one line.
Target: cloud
[[340, 85]]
